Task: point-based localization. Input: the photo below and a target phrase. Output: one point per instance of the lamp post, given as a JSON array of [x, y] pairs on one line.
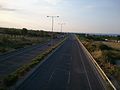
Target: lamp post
[[52, 17], [61, 24], [53, 21]]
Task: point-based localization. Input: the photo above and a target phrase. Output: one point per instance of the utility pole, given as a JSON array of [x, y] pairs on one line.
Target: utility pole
[[52, 17], [61, 24]]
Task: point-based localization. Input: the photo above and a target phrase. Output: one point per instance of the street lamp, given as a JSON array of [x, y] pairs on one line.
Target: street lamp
[[61, 24], [52, 23]]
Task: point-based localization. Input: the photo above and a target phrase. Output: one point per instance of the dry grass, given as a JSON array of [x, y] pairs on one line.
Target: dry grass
[[97, 54], [10, 43], [113, 44]]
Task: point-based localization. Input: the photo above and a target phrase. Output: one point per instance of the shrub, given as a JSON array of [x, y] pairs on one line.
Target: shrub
[[33, 63], [10, 80], [2, 49], [104, 47], [3, 88]]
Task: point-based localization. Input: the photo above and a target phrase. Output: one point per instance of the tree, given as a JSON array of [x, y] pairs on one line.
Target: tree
[[24, 31]]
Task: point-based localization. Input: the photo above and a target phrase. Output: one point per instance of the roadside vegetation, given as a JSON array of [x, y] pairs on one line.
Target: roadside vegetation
[[113, 44], [12, 39], [106, 53]]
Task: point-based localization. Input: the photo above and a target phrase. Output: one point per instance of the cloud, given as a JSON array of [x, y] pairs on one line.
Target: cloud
[[53, 2], [6, 9]]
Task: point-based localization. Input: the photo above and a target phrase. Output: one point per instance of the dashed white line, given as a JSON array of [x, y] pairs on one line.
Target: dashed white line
[[51, 76], [68, 77]]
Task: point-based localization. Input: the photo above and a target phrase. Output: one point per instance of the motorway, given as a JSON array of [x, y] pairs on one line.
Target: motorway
[[11, 61], [68, 68]]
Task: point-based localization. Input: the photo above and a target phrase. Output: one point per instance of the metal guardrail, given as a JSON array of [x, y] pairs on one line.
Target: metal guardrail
[[98, 67]]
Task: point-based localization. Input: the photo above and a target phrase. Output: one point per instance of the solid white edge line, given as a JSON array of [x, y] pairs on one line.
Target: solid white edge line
[[85, 70]]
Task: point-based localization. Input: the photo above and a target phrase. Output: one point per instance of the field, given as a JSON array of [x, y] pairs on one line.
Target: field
[[10, 43], [12, 39], [113, 44]]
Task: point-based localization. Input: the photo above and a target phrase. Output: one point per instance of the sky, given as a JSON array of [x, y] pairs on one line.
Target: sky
[[84, 16]]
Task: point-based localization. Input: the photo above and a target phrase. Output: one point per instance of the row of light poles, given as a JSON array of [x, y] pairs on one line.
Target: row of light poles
[[52, 19], [61, 24]]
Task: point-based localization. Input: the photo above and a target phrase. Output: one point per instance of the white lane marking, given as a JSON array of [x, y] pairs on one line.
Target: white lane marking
[[69, 73], [68, 77], [85, 69], [51, 76]]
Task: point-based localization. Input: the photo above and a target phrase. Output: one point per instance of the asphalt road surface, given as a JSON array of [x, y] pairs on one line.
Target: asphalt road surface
[[69, 68], [11, 61]]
